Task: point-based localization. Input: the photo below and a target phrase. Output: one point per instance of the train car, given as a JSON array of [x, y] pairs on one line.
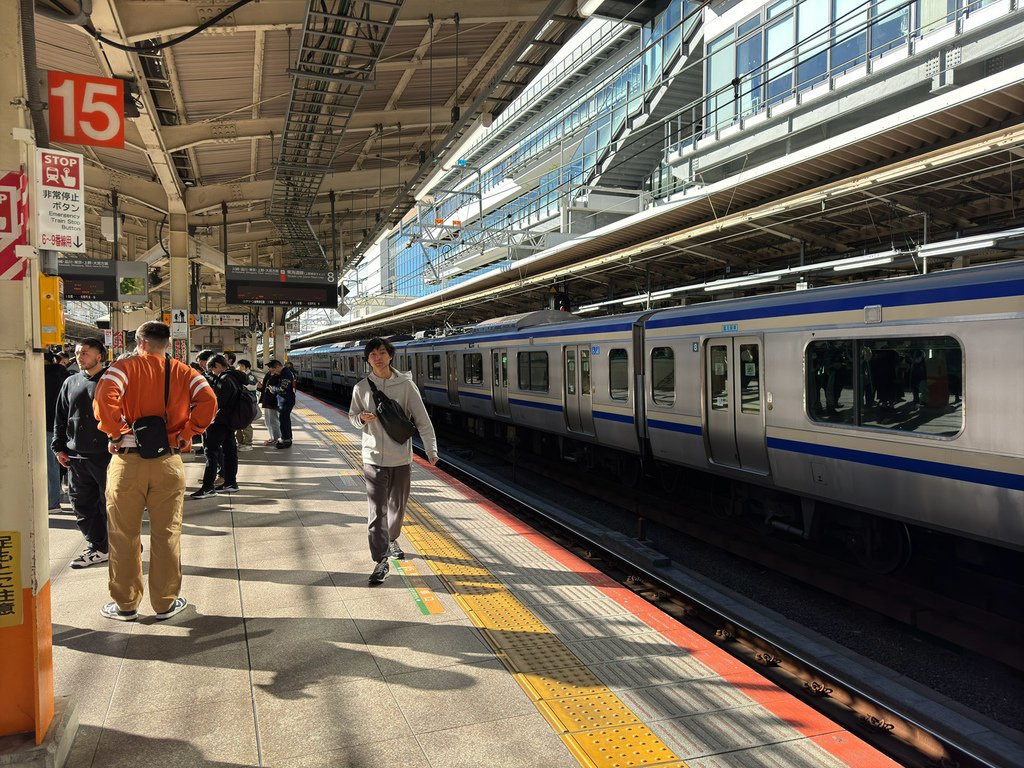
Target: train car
[[849, 411], [899, 398]]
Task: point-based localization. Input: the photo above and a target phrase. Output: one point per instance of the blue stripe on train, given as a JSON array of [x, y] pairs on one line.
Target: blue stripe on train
[[670, 426], [624, 418], [532, 404], [919, 466]]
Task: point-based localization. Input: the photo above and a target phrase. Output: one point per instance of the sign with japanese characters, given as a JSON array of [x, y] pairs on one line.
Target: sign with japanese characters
[[60, 200], [229, 320], [12, 612], [86, 110], [12, 224]]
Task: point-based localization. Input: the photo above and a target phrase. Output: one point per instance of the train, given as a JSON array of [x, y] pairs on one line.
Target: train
[[877, 411]]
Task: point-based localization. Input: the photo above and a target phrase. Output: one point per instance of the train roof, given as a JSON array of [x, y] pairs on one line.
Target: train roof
[[1004, 279]]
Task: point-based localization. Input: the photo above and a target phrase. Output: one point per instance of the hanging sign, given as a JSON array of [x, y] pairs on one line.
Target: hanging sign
[[60, 200], [86, 110], [12, 224]]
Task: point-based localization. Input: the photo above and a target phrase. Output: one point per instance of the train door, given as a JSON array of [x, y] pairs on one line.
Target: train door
[[499, 381], [453, 377], [734, 412], [579, 403]]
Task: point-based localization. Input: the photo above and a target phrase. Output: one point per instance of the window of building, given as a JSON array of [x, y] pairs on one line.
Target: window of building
[[533, 371], [902, 384], [618, 374], [473, 368], [434, 367], [663, 376]]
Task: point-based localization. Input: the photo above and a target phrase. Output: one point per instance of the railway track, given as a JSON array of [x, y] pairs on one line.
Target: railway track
[[915, 735]]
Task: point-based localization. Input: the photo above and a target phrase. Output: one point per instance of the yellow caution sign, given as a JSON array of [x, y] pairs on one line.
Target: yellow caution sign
[[12, 612]]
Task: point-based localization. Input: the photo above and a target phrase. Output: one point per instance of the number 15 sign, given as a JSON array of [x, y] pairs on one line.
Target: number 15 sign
[[86, 110]]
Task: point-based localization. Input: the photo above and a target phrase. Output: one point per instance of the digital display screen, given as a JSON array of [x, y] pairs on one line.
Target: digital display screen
[[76, 288], [281, 287], [88, 279]]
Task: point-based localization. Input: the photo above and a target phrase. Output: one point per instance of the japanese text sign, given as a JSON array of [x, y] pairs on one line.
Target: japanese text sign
[[86, 110], [60, 200], [12, 612]]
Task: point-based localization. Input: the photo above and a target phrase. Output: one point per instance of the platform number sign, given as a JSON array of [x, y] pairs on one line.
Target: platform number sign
[[86, 110]]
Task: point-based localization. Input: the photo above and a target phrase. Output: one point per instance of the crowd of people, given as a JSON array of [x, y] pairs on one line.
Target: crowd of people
[[119, 429]]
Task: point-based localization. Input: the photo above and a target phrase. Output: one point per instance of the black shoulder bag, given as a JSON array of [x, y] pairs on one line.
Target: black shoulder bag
[[392, 417], [151, 431]]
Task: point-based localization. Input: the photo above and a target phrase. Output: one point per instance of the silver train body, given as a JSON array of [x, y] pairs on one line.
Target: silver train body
[[902, 398]]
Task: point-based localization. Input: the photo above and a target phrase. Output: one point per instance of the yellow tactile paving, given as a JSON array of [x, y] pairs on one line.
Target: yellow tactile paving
[[596, 726]]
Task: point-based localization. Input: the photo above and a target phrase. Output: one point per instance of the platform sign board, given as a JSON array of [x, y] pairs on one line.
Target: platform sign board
[[179, 323], [86, 110], [60, 200], [227, 320], [264, 286], [88, 279], [12, 611], [12, 224]]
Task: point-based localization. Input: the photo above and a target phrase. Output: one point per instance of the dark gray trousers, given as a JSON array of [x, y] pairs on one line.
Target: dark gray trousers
[[387, 491]]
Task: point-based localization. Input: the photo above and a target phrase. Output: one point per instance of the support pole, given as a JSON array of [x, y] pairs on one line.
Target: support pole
[[334, 233], [180, 274], [26, 641]]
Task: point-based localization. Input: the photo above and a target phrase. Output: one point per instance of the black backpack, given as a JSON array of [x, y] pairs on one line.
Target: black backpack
[[244, 410]]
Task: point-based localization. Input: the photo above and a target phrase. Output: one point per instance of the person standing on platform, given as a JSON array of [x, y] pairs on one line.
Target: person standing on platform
[[221, 452], [243, 437], [81, 448], [285, 400], [150, 384], [268, 402], [54, 375], [386, 463]]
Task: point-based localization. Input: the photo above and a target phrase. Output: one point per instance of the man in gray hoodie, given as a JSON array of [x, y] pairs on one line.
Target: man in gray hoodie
[[386, 463]]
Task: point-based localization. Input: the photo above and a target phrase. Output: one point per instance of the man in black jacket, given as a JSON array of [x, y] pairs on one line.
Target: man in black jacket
[[81, 447], [221, 451], [54, 375]]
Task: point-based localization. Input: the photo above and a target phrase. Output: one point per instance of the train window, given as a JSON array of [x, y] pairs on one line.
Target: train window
[[719, 377], [903, 384], [663, 376], [533, 371], [618, 374], [570, 371], [750, 378], [473, 368], [434, 367], [352, 365]]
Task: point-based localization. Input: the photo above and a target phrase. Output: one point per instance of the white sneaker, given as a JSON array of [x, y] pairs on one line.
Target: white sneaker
[[89, 556], [179, 605], [245, 447]]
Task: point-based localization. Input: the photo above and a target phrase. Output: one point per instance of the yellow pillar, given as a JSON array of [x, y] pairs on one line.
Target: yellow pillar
[[26, 653]]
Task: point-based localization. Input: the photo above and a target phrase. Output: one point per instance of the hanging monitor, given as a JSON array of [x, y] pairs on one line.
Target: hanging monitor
[[263, 286]]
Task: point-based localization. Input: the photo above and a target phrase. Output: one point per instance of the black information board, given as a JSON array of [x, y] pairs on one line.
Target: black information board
[[88, 279], [264, 286]]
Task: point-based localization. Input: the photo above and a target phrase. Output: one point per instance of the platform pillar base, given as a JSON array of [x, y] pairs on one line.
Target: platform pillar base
[[20, 750]]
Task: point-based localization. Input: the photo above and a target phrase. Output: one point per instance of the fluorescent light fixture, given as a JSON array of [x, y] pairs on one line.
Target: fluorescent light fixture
[[723, 285], [588, 308], [955, 246], [862, 264], [588, 7]]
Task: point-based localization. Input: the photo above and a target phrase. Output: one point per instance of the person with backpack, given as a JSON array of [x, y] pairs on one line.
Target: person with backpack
[[221, 451], [243, 435]]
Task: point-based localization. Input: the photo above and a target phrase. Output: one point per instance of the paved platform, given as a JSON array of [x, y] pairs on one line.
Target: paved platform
[[489, 645]]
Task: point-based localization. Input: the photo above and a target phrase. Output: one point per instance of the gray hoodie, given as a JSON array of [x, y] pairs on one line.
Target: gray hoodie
[[379, 449]]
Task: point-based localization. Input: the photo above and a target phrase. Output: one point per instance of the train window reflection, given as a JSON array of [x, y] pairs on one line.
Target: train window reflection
[[663, 376], [434, 367], [750, 379], [719, 377], [618, 374], [904, 384], [533, 371], [473, 368], [570, 372]]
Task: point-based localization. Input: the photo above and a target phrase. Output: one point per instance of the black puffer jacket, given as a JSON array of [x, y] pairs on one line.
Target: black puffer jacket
[[228, 389], [75, 429]]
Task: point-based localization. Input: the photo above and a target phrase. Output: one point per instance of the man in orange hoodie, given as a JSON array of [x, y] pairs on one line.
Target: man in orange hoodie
[[130, 390]]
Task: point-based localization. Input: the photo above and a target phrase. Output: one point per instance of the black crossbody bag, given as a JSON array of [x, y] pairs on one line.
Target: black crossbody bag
[[392, 417], [151, 431]]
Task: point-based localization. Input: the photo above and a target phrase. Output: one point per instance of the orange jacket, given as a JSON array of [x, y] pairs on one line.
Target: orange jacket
[[134, 387]]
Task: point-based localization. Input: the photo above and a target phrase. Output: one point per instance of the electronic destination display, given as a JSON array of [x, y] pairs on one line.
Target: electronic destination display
[[88, 279], [269, 286]]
